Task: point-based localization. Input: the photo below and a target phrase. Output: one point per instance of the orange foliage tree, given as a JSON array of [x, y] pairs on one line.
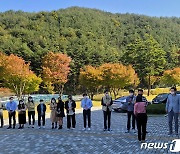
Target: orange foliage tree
[[117, 76], [17, 76], [171, 77], [56, 67], [90, 78]]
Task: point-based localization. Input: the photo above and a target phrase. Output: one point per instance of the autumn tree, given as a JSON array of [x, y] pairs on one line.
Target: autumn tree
[[171, 77], [56, 67], [17, 76], [90, 78], [117, 76]]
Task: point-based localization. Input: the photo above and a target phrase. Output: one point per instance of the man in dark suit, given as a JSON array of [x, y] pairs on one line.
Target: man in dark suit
[[41, 109]]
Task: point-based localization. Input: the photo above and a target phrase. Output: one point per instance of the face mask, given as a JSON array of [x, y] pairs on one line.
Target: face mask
[[30, 100], [131, 94], [172, 93], [41, 102]]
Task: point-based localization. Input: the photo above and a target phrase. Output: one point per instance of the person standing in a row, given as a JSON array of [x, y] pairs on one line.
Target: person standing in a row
[[130, 100], [141, 116], [31, 111], [60, 112], [106, 103], [86, 104], [53, 107], [21, 114], [70, 106], [41, 109], [173, 109], [11, 107]]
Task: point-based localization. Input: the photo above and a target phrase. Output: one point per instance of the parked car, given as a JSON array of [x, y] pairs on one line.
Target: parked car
[[120, 104], [162, 98]]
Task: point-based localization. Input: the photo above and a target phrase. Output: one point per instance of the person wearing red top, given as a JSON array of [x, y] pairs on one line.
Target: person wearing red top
[[141, 116]]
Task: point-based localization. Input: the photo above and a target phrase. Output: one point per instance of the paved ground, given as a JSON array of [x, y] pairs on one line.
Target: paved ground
[[35, 141]]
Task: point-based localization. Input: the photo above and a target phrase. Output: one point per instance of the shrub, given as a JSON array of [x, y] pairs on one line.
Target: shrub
[[156, 109]]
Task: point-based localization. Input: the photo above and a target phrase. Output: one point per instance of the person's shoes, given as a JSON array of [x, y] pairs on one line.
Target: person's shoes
[[68, 128], [29, 126], [104, 129], [134, 131], [60, 127], [142, 141], [33, 126], [73, 128], [147, 132], [84, 129], [109, 129], [19, 127], [127, 131], [55, 127], [44, 127], [1, 127], [39, 127], [52, 127], [89, 129], [9, 127], [14, 127]]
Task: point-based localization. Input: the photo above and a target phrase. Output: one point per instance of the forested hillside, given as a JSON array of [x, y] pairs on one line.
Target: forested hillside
[[88, 36]]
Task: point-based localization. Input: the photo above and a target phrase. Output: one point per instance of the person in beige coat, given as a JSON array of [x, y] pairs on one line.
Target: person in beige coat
[[53, 108], [106, 103]]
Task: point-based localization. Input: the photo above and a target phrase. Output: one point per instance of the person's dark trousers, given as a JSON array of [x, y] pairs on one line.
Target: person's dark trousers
[[107, 117], [2, 120], [31, 114], [129, 115], [39, 119], [87, 115], [172, 115], [71, 120], [12, 115], [141, 125]]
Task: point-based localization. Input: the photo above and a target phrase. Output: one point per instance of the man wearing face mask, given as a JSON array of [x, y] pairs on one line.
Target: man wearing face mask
[[130, 100], [86, 104], [173, 109], [41, 109], [106, 103], [11, 107]]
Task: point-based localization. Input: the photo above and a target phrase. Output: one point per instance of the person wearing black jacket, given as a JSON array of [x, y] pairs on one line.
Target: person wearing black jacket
[[70, 106], [60, 112], [41, 109], [106, 103]]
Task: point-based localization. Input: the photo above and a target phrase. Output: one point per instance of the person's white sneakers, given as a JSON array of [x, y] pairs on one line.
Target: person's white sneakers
[[84, 129], [32, 126], [39, 127], [89, 129], [44, 127], [73, 128]]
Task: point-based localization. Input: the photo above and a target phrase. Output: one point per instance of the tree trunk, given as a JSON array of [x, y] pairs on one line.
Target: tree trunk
[[61, 88], [92, 96], [149, 84]]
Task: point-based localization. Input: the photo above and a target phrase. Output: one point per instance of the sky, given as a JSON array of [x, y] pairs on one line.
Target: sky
[[157, 8]]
